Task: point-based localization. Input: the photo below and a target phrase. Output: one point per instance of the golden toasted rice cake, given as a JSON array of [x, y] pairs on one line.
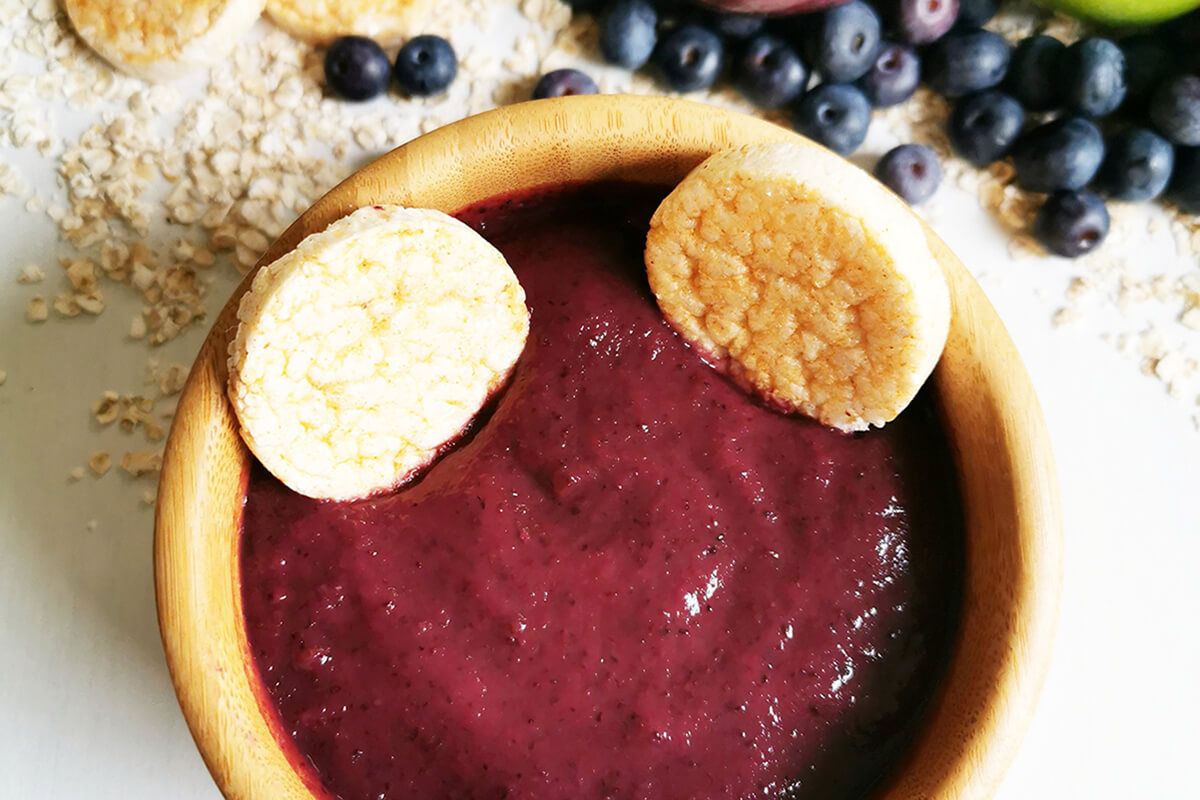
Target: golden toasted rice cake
[[362, 352], [321, 21], [803, 278], [159, 40]]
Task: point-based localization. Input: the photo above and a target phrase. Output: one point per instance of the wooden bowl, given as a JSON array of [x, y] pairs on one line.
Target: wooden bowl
[[1013, 548]]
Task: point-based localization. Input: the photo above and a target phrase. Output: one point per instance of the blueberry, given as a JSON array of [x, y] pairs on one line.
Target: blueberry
[[627, 34], [690, 58], [426, 65], [924, 21], [1063, 154], [966, 61], [1137, 165], [738, 26], [973, 13], [1071, 223], [1093, 77], [893, 77], [770, 73], [1148, 60], [841, 43], [356, 68], [1185, 183], [1033, 74], [585, 6], [835, 115], [1175, 110], [911, 171], [984, 126], [564, 82]]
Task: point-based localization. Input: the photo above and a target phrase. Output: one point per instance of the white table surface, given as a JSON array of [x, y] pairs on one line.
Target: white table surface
[[88, 706]]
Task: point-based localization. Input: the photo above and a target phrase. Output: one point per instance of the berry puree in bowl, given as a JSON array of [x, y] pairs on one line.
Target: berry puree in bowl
[[628, 580]]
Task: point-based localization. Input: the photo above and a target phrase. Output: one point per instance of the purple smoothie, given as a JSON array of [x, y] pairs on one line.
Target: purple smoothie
[[629, 581]]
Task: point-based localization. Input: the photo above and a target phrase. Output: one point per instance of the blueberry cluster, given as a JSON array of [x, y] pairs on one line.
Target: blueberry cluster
[[356, 68], [1118, 118]]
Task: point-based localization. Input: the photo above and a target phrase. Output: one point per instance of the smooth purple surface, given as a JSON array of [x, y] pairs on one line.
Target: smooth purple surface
[[631, 582]]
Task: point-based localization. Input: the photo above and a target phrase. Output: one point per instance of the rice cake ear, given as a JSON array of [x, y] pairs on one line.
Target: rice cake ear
[[160, 40], [367, 349], [804, 279], [388, 22]]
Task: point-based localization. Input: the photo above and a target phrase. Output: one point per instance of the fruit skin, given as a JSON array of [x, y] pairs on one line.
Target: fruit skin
[[835, 115], [627, 33], [564, 82], [1034, 76], [893, 76], [1137, 165], [985, 126], [1071, 224], [585, 6], [923, 21], [1093, 77], [426, 65], [737, 26], [690, 58], [841, 45], [1185, 182], [1148, 61], [1130, 12], [778, 7], [966, 61], [356, 68], [974, 13], [911, 171], [1175, 110], [769, 73], [1063, 154]]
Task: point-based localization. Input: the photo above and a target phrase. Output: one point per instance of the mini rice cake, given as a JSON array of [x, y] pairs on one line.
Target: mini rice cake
[[160, 40], [804, 279], [388, 22], [363, 352]]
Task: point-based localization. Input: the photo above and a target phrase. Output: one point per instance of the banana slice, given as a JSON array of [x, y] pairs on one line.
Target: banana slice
[[388, 22], [160, 40], [364, 351], [803, 278]]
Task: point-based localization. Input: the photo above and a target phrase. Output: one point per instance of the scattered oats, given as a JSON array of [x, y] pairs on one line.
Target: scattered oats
[[1191, 318], [37, 311], [76, 474], [172, 379], [100, 462], [1065, 316], [148, 498], [11, 182], [66, 305], [137, 328], [141, 462], [31, 273]]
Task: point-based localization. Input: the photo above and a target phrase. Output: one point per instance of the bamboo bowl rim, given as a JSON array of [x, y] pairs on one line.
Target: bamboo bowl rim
[[998, 437]]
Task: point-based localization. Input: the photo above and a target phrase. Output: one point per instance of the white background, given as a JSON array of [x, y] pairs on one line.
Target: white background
[[87, 704]]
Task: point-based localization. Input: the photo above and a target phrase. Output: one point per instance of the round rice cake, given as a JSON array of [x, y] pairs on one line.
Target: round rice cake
[[361, 353], [388, 22], [804, 279], [159, 40]]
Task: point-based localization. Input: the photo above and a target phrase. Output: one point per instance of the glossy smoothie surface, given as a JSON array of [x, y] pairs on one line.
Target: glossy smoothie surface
[[629, 581]]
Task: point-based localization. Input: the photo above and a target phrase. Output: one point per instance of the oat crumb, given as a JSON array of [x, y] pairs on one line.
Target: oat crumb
[[141, 462], [31, 273], [76, 474], [100, 462], [37, 310]]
